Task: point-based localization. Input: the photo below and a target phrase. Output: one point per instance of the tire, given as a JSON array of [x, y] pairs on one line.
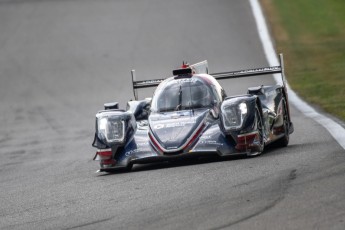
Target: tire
[[284, 141], [260, 128], [129, 167]]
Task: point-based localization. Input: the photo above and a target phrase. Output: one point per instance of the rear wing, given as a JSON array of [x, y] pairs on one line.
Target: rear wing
[[202, 67], [253, 72]]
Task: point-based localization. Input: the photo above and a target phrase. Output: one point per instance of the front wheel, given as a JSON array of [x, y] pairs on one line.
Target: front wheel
[[129, 167]]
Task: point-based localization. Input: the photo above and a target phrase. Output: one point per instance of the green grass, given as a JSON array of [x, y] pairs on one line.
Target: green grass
[[311, 34]]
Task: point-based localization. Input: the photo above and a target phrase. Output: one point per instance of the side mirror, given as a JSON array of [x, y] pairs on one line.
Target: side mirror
[[140, 109], [214, 111], [214, 103]]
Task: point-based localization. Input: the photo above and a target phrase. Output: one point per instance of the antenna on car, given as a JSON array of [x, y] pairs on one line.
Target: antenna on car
[[185, 65]]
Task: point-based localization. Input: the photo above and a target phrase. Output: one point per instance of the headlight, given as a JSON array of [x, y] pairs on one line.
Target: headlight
[[233, 115], [111, 129], [114, 128], [243, 108]]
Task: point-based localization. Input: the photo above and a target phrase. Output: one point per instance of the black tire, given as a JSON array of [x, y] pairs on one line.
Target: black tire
[[260, 128], [284, 141], [129, 167]]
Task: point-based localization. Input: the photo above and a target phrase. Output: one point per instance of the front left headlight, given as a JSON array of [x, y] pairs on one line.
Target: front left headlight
[[233, 115]]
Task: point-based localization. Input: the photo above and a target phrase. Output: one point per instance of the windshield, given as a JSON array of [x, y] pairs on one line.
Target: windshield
[[182, 94]]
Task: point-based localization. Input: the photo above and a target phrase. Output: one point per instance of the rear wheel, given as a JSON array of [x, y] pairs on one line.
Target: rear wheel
[[284, 141]]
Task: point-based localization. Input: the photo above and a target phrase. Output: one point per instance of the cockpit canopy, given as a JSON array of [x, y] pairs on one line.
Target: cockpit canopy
[[183, 94]]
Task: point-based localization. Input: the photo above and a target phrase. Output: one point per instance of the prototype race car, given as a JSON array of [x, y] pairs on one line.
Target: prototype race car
[[190, 115]]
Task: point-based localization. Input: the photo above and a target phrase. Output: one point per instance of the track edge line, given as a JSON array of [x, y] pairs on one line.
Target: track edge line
[[335, 129]]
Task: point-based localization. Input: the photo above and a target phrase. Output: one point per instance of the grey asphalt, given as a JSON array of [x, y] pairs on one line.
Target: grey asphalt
[[61, 60]]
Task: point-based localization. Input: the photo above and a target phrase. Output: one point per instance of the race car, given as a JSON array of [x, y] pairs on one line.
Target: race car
[[191, 116]]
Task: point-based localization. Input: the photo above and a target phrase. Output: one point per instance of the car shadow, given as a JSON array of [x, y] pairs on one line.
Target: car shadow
[[174, 164], [269, 150]]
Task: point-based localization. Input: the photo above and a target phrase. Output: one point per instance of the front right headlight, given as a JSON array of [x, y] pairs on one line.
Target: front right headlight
[[112, 129]]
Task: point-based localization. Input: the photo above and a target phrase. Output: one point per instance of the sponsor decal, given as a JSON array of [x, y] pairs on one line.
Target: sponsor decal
[[205, 137], [142, 143], [273, 68], [173, 147], [183, 80], [173, 125], [129, 153], [150, 82], [179, 124], [210, 142], [159, 126]]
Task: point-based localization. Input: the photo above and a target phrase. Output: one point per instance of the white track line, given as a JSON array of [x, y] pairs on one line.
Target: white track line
[[336, 130]]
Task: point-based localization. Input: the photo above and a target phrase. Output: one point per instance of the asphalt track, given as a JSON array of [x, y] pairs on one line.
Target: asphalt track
[[61, 60]]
